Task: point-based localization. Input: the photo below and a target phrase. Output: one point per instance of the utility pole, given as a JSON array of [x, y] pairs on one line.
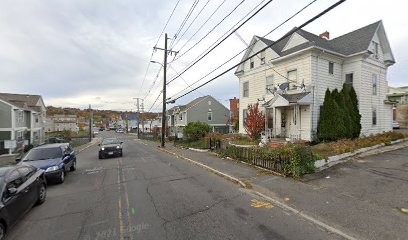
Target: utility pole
[[90, 123], [166, 52], [138, 113]]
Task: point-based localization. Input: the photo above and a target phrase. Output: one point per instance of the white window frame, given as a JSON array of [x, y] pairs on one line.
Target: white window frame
[[251, 63], [375, 48], [374, 84], [262, 57], [352, 78], [374, 117], [244, 115], [332, 68], [209, 116], [268, 84], [243, 89]]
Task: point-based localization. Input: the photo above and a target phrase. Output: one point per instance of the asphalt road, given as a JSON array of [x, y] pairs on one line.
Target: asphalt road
[[148, 194]]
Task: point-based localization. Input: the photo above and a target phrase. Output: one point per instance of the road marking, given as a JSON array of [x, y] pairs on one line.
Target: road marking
[[120, 206], [307, 217], [259, 204], [126, 198]]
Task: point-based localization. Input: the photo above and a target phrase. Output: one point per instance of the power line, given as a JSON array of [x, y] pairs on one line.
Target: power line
[[151, 56], [216, 45], [270, 45], [233, 10], [191, 23], [274, 29], [202, 25], [183, 23]]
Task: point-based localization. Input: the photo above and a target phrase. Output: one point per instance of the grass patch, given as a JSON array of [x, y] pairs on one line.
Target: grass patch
[[199, 144]]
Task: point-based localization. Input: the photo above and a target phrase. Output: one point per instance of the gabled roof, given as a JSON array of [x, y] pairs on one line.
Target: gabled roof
[[25, 101], [182, 108], [353, 42], [295, 97]]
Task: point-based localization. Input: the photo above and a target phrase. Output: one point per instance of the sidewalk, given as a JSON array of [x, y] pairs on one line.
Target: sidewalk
[[347, 196]]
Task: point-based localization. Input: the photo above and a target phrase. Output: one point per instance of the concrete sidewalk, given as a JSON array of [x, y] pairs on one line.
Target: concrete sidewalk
[[354, 197]]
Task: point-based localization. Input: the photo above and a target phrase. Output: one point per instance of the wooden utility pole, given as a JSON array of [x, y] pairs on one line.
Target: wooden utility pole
[[166, 52]]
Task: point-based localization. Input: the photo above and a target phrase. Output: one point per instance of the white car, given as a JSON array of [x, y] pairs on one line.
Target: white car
[[395, 125], [120, 130]]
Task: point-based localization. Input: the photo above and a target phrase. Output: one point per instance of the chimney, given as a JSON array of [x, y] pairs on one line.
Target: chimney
[[325, 35]]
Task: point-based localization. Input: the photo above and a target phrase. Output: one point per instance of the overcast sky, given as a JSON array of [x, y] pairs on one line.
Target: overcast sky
[[80, 52]]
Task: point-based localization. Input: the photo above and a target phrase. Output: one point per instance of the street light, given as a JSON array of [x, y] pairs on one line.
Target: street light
[[157, 62]]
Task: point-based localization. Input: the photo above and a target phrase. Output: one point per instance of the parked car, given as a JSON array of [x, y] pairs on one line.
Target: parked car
[[120, 130], [101, 129], [21, 188], [395, 125], [110, 147], [55, 140], [55, 159]]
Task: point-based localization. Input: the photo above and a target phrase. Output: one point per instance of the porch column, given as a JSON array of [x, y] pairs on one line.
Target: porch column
[[274, 121]]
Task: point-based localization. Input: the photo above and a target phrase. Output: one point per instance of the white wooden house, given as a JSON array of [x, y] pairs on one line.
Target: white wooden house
[[289, 79]]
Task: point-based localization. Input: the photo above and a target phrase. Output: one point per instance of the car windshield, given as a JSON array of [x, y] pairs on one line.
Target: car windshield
[[110, 141], [43, 154]]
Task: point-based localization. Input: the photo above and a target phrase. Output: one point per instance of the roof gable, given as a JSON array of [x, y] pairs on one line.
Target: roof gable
[[294, 40]]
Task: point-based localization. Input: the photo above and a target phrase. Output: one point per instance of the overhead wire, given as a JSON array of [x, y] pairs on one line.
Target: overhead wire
[[216, 45], [222, 20], [233, 57], [202, 25], [158, 39], [183, 23], [263, 49], [191, 23]]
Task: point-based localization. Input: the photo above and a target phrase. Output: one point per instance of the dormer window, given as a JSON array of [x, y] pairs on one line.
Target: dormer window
[[375, 49]]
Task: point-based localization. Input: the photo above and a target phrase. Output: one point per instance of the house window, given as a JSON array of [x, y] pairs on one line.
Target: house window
[[375, 48], [292, 76], [251, 63], [181, 116], [244, 115], [374, 120], [262, 57], [374, 84], [331, 68], [269, 85], [209, 116], [349, 78], [245, 92]]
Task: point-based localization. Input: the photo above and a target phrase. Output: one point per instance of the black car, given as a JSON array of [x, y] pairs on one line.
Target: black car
[[21, 188], [110, 147], [55, 159]]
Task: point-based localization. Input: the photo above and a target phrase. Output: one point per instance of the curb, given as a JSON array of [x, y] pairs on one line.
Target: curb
[[229, 177], [333, 160]]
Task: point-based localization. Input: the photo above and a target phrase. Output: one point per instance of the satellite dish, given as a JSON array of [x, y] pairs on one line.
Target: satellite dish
[[284, 86]]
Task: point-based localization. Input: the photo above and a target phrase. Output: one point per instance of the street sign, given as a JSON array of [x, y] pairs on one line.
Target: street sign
[[10, 144]]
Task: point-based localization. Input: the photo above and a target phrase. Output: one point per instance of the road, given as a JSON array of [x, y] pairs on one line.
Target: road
[[148, 194]]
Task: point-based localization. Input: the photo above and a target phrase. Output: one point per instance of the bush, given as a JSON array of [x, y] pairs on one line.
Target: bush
[[196, 130], [293, 160]]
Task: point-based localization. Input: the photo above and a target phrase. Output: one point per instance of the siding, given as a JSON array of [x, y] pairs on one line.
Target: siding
[[220, 114], [5, 115], [257, 76]]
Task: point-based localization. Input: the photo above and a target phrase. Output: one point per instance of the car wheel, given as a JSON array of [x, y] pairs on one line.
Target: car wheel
[[2, 231], [121, 154], [100, 156], [62, 177], [42, 194], [73, 167]]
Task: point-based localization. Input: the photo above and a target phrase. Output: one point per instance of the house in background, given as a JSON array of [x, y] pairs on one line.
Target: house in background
[[400, 97], [62, 122], [234, 108], [22, 120], [289, 79], [203, 109]]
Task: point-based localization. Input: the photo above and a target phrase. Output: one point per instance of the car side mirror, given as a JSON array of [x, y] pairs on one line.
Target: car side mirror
[[12, 191]]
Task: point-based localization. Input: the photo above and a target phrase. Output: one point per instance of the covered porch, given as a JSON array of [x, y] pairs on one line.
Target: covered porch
[[288, 117]]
